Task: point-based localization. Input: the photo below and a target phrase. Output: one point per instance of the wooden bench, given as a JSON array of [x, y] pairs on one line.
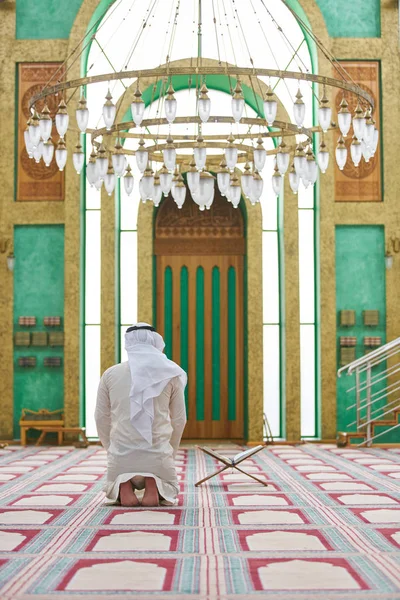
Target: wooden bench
[[31, 419], [60, 430]]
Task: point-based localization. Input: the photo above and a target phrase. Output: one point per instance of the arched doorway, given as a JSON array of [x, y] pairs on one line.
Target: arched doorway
[[199, 289]]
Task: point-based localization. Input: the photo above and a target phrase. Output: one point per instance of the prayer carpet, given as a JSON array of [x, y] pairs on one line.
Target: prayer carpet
[[326, 528]]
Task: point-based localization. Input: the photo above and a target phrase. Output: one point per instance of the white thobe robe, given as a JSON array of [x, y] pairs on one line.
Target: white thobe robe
[[128, 455]]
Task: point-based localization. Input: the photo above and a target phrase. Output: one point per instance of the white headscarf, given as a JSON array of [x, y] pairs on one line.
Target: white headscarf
[[150, 371]]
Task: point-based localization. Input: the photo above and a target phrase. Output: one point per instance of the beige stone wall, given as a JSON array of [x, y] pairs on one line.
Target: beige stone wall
[[387, 213]]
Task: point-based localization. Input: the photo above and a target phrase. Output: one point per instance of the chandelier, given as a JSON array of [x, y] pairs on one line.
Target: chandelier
[[172, 162]]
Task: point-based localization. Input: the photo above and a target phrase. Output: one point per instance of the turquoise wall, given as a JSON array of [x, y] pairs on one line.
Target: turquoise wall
[[358, 18], [53, 19], [45, 19], [39, 292], [360, 285]]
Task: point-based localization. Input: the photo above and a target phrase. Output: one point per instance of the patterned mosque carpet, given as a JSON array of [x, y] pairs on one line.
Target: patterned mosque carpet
[[326, 527]]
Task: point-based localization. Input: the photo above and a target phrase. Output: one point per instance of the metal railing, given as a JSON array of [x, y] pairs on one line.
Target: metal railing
[[377, 390]]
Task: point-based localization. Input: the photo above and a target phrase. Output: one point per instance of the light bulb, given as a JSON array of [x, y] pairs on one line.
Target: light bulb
[[45, 123], [193, 177], [270, 106], [169, 154], [300, 160], [62, 119], [109, 111], [200, 153], [259, 155], [344, 117], [179, 192], [341, 153], [34, 130], [61, 154], [223, 177], [294, 180], [170, 105], [234, 190], [78, 158], [142, 156], [165, 180], [356, 151], [82, 114], [91, 169], [247, 181], [148, 182], [137, 106], [257, 185], [48, 152], [231, 153], [128, 180], [110, 179], [299, 109], [282, 158], [237, 103], [118, 160], [323, 157], [204, 192], [204, 104]]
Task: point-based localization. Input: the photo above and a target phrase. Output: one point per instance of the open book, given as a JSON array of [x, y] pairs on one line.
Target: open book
[[238, 458]]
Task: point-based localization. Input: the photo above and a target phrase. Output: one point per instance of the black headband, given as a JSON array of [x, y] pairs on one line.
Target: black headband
[[135, 328]]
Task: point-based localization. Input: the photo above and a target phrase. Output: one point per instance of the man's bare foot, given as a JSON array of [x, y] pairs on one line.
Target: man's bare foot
[[150, 497], [127, 495]]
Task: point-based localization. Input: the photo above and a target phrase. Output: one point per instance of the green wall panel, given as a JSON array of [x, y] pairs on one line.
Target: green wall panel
[[200, 344], [168, 312], [231, 344], [358, 19], [360, 285], [39, 292], [216, 345], [45, 19], [185, 327]]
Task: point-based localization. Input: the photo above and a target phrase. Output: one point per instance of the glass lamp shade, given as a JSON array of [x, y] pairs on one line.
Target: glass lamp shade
[[294, 180], [193, 180], [82, 115], [78, 158], [45, 126], [142, 193], [148, 183], [344, 118], [137, 111], [165, 182], [299, 110], [109, 181], [208, 206], [366, 151], [142, 158], [11, 262], [179, 193], [119, 162], [312, 171], [323, 158], [34, 132], [374, 144], [170, 106], [231, 155], [204, 105], [61, 154], [128, 181], [277, 182], [101, 166], [341, 154], [305, 180], [205, 189], [62, 121], [259, 156], [169, 155], [38, 151], [223, 179], [300, 164], [109, 111], [282, 160], [270, 107], [200, 156], [91, 171], [157, 191], [237, 109], [359, 126], [247, 184], [257, 185], [369, 132], [28, 143], [356, 151], [98, 183], [324, 117], [388, 261], [48, 152], [234, 191]]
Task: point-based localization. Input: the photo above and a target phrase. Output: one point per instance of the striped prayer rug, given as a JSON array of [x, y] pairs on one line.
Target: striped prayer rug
[[327, 527]]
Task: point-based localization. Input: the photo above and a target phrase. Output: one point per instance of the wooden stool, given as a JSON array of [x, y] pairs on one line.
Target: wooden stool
[[31, 419], [60, 430]]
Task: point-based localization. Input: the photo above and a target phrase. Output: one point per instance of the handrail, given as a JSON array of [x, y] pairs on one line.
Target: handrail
[[363, 360]]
